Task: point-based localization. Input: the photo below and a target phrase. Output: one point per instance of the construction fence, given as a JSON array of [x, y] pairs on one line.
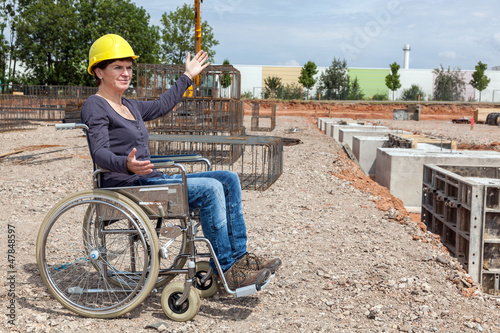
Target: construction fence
[[21, 107]]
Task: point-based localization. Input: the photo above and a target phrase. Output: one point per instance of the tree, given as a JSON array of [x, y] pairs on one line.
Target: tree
[[449, 85], [8, 17], [334, 82], [178, 35], [226, 77], [414, 93], [58, 53], [273, 86], [292, 91], [479, 80], [355, 92], [47, 53], [392, 80], [6, 11], [307, 76]]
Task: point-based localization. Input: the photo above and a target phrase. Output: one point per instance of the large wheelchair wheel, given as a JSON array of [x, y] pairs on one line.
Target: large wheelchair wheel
[[97, 253]]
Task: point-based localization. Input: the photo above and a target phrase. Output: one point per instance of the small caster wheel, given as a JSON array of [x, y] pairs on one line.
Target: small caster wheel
[[183, 312], [209, 287]]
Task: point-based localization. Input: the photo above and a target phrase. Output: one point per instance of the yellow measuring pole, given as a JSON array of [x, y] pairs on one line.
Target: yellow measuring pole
[[197, 32]]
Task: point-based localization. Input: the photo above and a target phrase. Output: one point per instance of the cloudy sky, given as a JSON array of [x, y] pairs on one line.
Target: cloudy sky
[[366, 33]]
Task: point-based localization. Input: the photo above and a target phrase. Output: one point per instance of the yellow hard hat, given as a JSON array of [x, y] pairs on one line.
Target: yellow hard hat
[[107, 47]]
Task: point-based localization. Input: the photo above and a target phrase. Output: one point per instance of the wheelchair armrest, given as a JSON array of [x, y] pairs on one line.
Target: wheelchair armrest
[[177, 158], [71, 126], [184, 158], [162, 162]]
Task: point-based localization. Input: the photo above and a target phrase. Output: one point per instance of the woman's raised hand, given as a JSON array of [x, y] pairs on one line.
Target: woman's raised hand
[[196, 65]]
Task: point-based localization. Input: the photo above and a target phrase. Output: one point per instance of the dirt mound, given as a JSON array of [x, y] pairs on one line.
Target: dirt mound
[[363, 110]]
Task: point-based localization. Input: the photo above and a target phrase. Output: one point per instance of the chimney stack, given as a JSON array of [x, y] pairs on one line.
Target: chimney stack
[[406, 49]]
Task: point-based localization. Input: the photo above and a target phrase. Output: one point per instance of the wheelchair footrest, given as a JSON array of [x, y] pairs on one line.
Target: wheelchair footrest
[[249, 290]]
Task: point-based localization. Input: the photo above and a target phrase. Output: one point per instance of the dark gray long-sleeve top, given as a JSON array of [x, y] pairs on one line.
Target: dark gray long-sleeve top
[[113, 137]]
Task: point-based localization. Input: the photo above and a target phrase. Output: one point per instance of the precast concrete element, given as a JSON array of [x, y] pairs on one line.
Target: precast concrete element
[[320, 121], [462, 205], [364, 149], [323, 122], [400, 170], [335, 128], [346, 134]]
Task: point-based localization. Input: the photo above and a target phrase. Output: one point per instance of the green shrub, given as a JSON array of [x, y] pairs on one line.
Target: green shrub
[[381, 97], [247, 95], [413, 93]]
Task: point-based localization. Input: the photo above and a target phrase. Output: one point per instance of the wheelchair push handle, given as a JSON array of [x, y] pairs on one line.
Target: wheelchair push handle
[[70, 126]]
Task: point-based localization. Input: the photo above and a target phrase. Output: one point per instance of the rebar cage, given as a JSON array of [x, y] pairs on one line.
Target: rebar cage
[[210, 106], [256, 117], [258, 160]]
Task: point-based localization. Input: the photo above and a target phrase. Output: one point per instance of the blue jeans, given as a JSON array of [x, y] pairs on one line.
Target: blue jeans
[[217, 194]]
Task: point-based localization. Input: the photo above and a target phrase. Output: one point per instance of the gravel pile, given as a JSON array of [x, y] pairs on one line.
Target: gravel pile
[[347, 265]]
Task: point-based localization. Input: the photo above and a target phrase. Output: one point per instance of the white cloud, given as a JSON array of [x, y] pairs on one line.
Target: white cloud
[[447, 55], [291, 62]]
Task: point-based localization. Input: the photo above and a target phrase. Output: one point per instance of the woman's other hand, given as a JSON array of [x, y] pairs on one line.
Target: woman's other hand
[[138, 167], [196, 65]]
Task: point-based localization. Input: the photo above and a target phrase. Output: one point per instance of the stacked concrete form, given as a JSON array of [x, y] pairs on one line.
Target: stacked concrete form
[[462, 205], [400, 170]]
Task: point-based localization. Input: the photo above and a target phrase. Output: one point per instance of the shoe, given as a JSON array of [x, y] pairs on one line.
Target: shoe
[[237, 277], [254, 262]]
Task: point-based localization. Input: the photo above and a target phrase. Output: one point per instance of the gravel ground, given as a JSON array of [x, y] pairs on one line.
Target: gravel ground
[[348, 266]]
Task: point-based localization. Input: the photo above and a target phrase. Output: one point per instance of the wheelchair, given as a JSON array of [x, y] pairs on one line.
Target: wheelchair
[[101, 252]]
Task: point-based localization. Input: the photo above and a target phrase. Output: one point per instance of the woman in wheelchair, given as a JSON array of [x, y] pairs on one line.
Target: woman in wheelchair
[[119, 142]]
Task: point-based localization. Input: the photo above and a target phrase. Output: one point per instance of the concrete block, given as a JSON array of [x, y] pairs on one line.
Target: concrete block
[[335, 128], [320, 121], [346, 134], [323, 123], [365, 151], [401, 170]]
